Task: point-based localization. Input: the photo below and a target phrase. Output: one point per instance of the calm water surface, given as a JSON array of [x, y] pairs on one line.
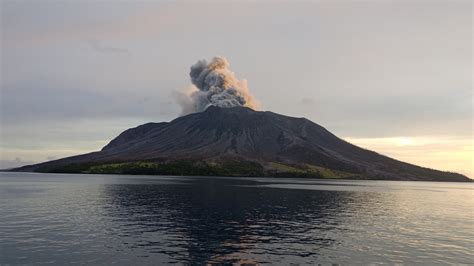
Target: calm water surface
[[63, 219]]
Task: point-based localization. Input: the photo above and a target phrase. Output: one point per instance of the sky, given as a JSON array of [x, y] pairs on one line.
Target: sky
[[392, 76]]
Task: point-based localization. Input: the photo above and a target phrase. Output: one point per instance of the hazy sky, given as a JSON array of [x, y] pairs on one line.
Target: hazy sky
[[393, 77]]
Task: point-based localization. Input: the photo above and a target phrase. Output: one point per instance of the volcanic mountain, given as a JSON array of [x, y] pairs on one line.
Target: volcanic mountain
[[239, 141]]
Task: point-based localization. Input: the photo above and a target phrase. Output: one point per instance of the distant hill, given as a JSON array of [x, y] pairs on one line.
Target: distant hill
[[239, 141]]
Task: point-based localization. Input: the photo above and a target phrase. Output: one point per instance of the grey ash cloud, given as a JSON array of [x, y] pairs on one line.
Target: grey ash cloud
[[215, 84]]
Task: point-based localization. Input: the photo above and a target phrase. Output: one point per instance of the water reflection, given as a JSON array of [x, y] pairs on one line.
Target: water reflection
[[127, 220], [227, 220]]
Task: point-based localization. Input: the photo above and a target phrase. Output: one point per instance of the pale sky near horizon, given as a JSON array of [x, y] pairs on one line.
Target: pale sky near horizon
[[394, 77]]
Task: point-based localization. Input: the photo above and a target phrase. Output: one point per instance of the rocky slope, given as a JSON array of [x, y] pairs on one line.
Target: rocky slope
[[278, 143]]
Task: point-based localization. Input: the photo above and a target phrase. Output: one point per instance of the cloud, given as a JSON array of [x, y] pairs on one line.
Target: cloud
[[34, 105], [215, 84], [446, 153]]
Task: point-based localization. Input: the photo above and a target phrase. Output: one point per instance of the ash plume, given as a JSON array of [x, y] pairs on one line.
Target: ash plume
[[215, 84]]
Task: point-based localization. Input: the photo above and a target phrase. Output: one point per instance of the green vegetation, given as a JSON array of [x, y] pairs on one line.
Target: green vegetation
[[279, 167], [181, 167], [283, 170], [201, 168], [330, 173], [69, 169]]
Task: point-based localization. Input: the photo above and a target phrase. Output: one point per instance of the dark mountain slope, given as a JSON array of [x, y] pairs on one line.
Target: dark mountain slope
[[218, 135]]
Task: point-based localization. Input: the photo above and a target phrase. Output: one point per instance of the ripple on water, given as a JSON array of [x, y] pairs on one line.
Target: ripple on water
[[62, 219]]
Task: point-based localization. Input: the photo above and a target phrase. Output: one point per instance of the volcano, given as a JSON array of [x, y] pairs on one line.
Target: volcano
[[239, 141]]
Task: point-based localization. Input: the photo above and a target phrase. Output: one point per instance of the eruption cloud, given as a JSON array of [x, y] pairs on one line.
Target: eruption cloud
[[215, 84]]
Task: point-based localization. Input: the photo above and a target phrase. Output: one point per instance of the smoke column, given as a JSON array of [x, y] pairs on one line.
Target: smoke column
[[215, 84]]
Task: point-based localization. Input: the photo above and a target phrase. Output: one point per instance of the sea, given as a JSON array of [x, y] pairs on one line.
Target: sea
[[63, 219]]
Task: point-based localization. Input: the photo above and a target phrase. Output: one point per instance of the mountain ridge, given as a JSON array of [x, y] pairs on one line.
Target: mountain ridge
[[278, 143]]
